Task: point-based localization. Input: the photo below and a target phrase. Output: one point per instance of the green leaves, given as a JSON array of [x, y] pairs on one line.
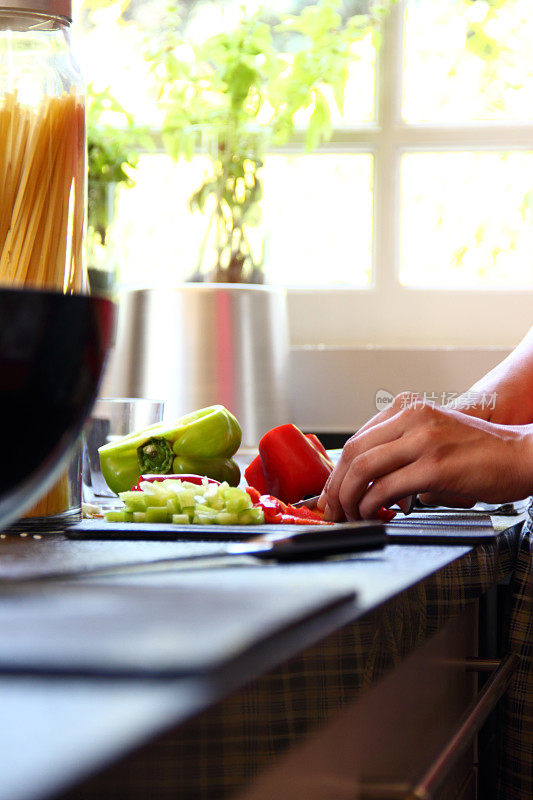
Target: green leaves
[[319, 128], [257, 76], [112, 148], [238, 78]]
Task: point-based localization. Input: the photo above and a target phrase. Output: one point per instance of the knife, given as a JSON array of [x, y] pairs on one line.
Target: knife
[[307, 543]]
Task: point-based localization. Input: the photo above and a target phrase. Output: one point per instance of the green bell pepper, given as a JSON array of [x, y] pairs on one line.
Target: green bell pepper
[[221, 469], [201, 443]]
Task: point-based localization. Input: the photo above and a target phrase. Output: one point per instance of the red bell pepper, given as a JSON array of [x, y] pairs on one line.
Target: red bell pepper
[[292, 465], [255, 476], [315, 441]]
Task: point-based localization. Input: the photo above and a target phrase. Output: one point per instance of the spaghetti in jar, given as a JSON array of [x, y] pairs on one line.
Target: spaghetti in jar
[[43, 168]]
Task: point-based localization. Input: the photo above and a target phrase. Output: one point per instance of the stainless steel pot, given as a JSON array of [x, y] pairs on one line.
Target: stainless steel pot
[[200, 344]]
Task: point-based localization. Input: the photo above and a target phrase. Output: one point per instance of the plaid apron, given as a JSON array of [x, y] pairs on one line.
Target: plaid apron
[[515, 780]]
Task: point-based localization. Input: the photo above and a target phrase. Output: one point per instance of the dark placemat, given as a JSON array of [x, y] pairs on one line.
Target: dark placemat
[[145, 631], [514, 509], [448, 528]]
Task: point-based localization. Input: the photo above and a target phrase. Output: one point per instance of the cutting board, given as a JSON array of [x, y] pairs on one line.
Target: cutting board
[[89, 529]]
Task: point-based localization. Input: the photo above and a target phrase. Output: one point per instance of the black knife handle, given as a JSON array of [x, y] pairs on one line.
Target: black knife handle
[[320, 541]]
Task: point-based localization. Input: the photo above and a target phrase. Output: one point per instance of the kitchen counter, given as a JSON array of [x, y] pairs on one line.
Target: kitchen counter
[[208, 728]]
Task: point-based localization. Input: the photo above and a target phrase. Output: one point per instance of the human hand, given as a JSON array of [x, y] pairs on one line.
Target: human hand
[[417, 448], [504, 397]]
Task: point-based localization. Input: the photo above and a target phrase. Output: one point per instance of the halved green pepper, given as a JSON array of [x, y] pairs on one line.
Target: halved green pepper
[[201, 443]]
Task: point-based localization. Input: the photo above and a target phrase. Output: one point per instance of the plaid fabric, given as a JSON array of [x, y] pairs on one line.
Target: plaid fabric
[[223, 749], [515, 780]]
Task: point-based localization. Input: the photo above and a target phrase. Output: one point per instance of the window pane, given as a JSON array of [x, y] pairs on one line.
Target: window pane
[[467, 61], [119, 34], [467, 220], [317, 221], [318, 217]]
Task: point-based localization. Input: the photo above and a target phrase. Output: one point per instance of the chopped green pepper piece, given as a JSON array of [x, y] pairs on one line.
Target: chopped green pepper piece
[[156, 514]]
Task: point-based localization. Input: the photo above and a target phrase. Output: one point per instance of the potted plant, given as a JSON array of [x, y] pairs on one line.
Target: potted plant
[[237, 91], [113, 144], [229, 97]]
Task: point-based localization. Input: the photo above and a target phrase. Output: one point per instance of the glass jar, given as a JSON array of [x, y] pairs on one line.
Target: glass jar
[[43, 175], [42, 149]]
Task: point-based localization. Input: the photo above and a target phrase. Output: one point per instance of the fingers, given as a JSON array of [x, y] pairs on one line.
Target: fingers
[[390, 488], [407, 504], [381, 461], [372, 461], [357, 466]]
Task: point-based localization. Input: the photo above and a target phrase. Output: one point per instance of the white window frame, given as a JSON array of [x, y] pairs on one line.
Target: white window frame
[[387, 313]]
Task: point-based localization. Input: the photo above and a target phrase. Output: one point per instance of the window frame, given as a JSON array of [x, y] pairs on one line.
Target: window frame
[[387, 313]]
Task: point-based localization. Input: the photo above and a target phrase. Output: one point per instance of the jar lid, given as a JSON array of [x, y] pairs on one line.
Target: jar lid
[[54, 8]]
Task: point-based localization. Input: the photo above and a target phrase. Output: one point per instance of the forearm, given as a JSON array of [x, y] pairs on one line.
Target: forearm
[[505, 394]]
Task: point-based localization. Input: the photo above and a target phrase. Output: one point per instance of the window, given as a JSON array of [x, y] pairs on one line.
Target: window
[[414, 224]]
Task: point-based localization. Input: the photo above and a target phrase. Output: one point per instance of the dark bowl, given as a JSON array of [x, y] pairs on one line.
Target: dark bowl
[[52, 352]]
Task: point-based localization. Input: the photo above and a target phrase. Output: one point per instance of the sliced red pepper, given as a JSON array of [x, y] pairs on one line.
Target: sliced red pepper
[[268, 500], [255, 476], [291, 519], [386, 514], [273, 509], [292, 465], [197, 479], [304, 513], [276, 512], [304, 516], [253, 494]]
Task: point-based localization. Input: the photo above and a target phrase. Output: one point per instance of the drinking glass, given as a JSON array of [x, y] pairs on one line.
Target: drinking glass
[[111, 418]]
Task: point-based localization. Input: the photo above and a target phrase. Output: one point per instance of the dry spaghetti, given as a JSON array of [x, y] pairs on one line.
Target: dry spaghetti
[[42, 193]]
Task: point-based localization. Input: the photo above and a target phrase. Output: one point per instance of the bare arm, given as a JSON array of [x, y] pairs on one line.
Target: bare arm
[[450, 458], [436, 451], [509, 384]]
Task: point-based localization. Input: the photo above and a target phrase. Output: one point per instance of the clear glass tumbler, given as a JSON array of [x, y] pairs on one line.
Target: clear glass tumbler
[[112, 418]]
